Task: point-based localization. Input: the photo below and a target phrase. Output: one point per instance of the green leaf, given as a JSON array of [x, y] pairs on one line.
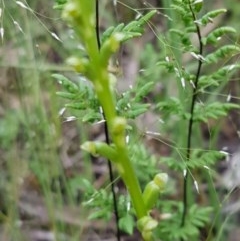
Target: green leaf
[[132, 26], [217, 77], [214, 36], [173, 106], [126, 224], [145, 18], [144, 90], [66, 95], [180, 9], [204, 158], [223, 71], [66, 83], [129, 31], [199, 216], [102, 213], [59, 4], [208, 17], [213, 110], [184, 38], [77, 106], [221, 53], [132, 114], [197, 4], [173, 163], [91, 116], [107, 33]]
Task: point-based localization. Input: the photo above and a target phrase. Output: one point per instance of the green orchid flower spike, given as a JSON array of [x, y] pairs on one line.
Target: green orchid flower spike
[[94, 66]]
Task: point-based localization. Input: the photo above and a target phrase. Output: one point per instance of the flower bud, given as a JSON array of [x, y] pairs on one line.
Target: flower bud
[[160, 180], [142, 222], [70, 11], [151, 194], [119, 125], [110, 46], [90, 147], [150, 225], [115, 40], [80, 65], [147, 235], [146, 225], [100, 149]]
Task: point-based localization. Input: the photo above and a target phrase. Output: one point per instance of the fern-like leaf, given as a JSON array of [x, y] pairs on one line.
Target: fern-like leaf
[[131, 30], [216, 34], [217, 77], [223, 52], [173, 106], [199, 216], [67, 84], [201, 158], [208, 17], [214, 110]]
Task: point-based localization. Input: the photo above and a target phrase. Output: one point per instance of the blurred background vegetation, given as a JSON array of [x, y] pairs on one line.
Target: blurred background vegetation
[[42, 167]]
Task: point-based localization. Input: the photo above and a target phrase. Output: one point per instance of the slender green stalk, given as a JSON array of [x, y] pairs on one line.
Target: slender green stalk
[[187, 183], [107, 138], [124, 164], [94, 66], [97, 72]]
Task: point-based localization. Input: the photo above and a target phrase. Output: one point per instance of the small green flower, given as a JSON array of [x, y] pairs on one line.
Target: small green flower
[[119, 125], [80, 65], [90, 147], [151, 194], [160, 180], [146, 225], [100, 149], [71, 11], [153, 190], [147, 235]]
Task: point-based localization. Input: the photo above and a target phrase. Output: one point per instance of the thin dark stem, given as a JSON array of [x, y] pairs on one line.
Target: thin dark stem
[[107, 139], [190, 124], [97, 25]]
